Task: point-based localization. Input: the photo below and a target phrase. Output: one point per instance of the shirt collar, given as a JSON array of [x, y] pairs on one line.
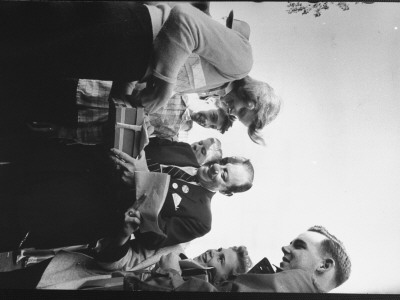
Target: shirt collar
[[186, 115], [219, 91]]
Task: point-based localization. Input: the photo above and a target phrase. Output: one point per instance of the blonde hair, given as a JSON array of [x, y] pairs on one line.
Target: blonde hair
[[245, 262], [266, 105]]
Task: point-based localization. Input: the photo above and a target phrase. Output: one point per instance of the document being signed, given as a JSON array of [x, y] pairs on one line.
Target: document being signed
[[155, 186]]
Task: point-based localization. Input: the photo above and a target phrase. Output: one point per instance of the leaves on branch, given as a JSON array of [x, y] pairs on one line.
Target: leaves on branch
[[316, 8]]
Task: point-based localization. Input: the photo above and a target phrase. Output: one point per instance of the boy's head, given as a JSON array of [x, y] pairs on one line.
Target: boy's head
[[207, 150], [216, 118], [226, 261]]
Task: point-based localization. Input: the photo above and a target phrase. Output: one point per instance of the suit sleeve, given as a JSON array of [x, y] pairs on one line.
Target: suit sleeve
[[188, 30], [117, 262], [128, 256], [111, 253], [177, 230], [182, 230]]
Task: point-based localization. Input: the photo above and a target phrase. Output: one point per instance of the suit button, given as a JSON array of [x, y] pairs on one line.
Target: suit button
[[185, 189], [175, 185]]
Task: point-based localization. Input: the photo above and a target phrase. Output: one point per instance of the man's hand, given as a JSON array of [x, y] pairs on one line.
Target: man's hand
[[120, 89], [129, 165], [150, 128], [170, 261], [132, 221], [155, 95]]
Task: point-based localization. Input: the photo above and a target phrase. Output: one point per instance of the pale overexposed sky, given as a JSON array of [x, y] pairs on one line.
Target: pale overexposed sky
[[333, 153]]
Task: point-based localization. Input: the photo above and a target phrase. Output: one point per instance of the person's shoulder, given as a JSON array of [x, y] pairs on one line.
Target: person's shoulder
[[183, 9], [180, 6], [297, 281], [156, 141]]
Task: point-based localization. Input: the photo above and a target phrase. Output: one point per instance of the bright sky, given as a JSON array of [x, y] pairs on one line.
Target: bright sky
[[332, 155]]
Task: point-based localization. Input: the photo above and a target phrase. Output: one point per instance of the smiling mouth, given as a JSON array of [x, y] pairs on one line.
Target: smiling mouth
[[209, 173], [206, 257], [202, 121], [198, 118]]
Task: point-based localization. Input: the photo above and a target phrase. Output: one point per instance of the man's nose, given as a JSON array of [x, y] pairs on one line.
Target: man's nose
[[212, 253], [285, 249], [224, 104], [215, 169]]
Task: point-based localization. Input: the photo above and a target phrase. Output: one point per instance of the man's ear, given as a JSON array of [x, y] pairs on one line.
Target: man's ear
[[326, 265]]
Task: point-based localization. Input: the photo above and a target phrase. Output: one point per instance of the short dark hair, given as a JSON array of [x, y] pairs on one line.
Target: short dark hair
[[228, 120], [237, 160], [335, 248], [266, 105], [244, 260]]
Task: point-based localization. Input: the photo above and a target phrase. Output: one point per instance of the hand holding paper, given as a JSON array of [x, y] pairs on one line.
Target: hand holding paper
[[133, 217], [132, 221], [155, 186]]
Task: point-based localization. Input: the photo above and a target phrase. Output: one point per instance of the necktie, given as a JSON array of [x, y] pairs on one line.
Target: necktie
[[153, 166], [174, 172], [177, 173]]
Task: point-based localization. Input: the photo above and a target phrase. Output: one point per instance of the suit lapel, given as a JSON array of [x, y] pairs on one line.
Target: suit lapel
[[189, 191]]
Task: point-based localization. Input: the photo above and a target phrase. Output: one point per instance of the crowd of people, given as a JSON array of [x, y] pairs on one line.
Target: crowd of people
[[78, 189]]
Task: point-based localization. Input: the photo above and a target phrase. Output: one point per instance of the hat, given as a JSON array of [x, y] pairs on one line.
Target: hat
[[239, 26]]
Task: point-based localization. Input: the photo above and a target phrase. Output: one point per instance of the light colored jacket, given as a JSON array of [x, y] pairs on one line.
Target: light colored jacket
[[70, 270]]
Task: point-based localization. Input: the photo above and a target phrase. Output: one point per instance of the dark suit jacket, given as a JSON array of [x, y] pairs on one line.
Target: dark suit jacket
[[65, 196], [171, 153], [192, 218]]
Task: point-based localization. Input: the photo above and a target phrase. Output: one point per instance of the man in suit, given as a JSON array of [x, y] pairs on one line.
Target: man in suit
[[186, 213], [314, 262], [67, 197]]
